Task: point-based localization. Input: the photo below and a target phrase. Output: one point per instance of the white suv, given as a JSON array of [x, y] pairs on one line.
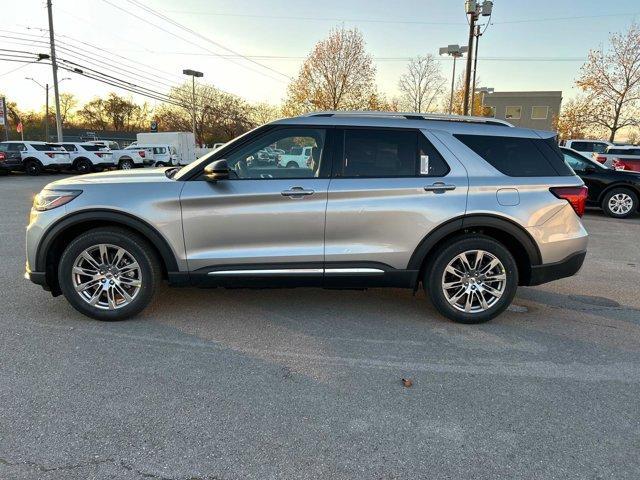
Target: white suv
[[86, 157], [38, 156], [158, 154]]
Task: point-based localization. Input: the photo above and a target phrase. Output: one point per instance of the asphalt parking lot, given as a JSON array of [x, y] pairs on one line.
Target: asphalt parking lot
[[305, 383]]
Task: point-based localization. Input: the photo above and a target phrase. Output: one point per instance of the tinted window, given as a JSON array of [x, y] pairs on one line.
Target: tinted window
[[519, 157], [599, 147], [159, 150], [92, 148], [386, 153], [577, 164], [582, 146], [69, 147]]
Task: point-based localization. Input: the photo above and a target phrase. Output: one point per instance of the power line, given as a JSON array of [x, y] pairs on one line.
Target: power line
[[16, 69], [199, 35], [187, 40]]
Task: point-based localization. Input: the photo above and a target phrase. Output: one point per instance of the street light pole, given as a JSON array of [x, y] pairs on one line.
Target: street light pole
[[54, 66], [455, 51], [193, 74], [473, 9], [475, 67]]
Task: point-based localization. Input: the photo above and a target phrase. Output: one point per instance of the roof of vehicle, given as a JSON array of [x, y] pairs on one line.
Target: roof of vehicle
[[588, 140], [449, 123], [622, 147]]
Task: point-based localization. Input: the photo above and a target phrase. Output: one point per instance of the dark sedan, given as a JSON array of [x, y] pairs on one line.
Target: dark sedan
[[615, 191]]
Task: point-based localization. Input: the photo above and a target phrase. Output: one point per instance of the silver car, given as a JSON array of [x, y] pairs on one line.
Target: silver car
[[467, 207]]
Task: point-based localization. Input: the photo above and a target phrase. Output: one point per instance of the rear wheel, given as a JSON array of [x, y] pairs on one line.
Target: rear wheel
[[32, 167], [109, 273], [292, 165], [472, 280], [620, 203], [82, 166], [125, 164]]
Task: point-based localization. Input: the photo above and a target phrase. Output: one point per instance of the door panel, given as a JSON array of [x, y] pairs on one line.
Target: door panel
[[252, 222], [384, 219]]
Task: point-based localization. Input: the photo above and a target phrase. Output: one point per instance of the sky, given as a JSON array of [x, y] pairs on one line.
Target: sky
[[527, 46]]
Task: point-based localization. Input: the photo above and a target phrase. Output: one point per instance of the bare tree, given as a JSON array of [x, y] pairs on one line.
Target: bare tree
[[610, 80], [68, 103], [422, 83], [337, 75]]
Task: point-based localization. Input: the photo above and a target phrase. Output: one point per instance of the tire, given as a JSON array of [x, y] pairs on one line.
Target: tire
[[82, 166], [106, 287], [292, 165], [620, 203], [125, 164], [32, 167], [444, 300]]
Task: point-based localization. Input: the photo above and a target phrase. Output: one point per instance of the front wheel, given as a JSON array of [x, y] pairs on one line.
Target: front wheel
[[472, 280], [109, 273], [620, 203]]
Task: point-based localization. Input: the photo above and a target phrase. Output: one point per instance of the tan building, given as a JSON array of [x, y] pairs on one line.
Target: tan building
[[525, 109]]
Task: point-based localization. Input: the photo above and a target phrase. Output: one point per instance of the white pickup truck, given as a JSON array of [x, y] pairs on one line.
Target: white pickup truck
[[297, 157], [127, 158]]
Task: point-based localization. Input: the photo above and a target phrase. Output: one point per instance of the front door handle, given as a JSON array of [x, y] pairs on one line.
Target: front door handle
[[439, 187], [297, 192]]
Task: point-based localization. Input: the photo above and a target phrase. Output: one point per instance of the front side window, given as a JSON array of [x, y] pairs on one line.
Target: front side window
[[159, 150], [599, 147], [304, 153], [513, 113], [576, 164]]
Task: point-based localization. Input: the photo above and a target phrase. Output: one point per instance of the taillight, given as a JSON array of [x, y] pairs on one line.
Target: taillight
[[50, 154], [576, 196], [618, 164], [601, 158], [142, 153], [98, 154], [3, 157]]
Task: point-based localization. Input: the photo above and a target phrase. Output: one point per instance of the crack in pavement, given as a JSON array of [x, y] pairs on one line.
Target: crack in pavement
[[96, 462]]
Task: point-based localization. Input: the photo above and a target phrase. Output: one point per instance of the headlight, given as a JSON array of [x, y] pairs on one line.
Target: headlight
[[48, 199]]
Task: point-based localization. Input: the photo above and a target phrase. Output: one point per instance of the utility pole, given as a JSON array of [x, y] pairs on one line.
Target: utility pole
[[473, 9], [475, 66], [46, 87], [193, 74], [54, 66]]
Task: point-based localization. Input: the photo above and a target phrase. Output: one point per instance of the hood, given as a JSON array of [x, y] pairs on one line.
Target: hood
[[139, 175]]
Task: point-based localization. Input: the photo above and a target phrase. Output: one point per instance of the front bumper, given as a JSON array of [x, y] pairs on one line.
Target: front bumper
[[39, 278], [553, 271]]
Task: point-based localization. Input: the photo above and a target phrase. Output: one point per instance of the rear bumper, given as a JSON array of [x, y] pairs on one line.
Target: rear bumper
[[553, 271], [11, 165]]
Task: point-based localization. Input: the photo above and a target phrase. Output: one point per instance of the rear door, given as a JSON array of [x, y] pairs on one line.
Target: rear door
[[390, 188]]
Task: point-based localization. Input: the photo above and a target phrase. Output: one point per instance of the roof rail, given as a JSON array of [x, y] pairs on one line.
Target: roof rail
[[411, 116]]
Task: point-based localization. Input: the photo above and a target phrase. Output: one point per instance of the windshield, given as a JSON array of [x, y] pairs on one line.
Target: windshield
[[185, 172]]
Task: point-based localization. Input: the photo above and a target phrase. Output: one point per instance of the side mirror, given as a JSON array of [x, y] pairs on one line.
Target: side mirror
[[218, 170]]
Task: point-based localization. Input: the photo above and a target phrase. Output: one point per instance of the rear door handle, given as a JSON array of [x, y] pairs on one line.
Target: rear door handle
[[439, 187], [297, 192]]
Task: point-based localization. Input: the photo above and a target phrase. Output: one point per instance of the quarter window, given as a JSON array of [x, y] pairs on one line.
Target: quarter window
[[386, 153]]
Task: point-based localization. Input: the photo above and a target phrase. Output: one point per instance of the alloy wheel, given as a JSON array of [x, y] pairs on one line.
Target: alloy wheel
[[620, 203], [106, 276], [474, 281]]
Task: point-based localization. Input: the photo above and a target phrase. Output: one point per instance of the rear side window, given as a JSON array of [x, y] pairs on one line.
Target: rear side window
[[389, 153], [519, 157], [582, 146], [92, 148]]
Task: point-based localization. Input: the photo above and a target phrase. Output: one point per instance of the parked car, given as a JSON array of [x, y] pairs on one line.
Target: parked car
[[110, 144], [157, 154], [39, 156], [296, 158], [615, 191], [468, 207], [620, 158], [588, 147], [87, 157], [11, 157], [132, 157], [181, 144]]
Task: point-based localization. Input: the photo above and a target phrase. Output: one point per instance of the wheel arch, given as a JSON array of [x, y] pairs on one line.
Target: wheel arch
[[60, 234], [514, 237], [629, 186]]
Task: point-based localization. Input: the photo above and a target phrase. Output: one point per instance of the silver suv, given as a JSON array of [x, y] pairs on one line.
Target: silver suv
[[468, 207]]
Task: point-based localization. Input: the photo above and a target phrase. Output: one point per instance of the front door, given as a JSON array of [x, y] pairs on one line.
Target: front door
[[391, 188], [264, 221]]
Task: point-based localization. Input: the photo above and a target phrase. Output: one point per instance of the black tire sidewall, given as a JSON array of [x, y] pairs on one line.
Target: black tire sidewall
[[37, 168], [611, 193], [136, 246], [434, 272], [83, 166]]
